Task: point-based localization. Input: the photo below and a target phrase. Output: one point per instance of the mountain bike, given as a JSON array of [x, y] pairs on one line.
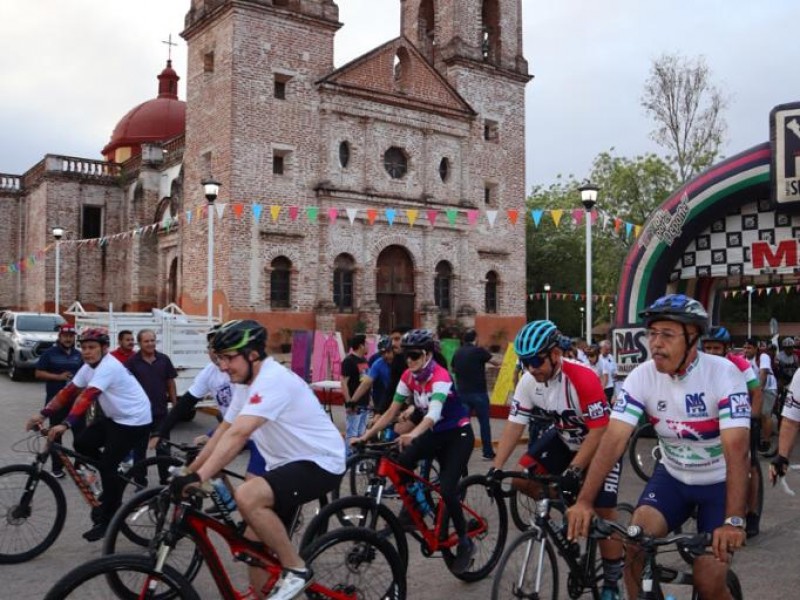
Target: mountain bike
[[33, 506], [529, 568], [482, 503], [348, 564], [655, 575]]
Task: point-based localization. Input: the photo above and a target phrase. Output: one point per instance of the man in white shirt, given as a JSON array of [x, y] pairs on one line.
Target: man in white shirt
[[609, 369], [303, 450], [762, 366]]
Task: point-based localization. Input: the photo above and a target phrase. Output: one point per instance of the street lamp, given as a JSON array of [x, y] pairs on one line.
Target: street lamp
[[547, 301], [211, 191], [588, 199], [582, 311], [58, 233], [749, 289]]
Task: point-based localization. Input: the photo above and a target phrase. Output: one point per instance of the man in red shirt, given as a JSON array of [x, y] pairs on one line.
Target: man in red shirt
[[125, 348]]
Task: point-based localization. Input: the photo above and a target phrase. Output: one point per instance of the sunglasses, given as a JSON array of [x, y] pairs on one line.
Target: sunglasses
[[534, 362], [413, 354]]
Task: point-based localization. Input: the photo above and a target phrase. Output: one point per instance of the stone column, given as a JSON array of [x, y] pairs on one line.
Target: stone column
[[325, 312]]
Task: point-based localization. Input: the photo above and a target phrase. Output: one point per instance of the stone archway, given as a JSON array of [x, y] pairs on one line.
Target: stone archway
[[394, 287]]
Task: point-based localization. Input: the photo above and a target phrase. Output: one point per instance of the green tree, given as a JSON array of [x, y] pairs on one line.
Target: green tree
[[687, 108]]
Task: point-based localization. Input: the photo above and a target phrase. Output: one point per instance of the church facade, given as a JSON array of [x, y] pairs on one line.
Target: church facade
[[431, 121]]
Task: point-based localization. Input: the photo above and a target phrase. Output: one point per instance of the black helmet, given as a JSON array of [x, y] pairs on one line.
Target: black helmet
[[384, 344], [679, 308], [418, 339], [240, 335]]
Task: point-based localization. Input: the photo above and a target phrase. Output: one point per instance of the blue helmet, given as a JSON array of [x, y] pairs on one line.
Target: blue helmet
[[564, 342], [384, 344], [718, 334], [679, 308], [536, 337]]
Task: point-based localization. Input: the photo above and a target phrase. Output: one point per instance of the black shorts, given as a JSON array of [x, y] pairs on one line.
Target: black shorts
[[296, 483]]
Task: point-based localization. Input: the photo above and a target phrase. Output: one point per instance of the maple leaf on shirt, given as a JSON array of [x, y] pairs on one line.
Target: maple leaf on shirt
[[255, 399]]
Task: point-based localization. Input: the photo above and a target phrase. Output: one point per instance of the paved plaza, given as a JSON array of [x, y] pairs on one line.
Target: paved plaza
[[768, 567]]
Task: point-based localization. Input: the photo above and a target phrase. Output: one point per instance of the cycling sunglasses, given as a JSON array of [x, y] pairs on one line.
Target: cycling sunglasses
[[413, 354], [535, 361]]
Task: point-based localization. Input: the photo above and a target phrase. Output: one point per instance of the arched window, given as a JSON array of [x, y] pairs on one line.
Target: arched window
[[279, 282], [442, 286], [402, 67], [490, 31], [491, 292], [343, 271], [427, 28]]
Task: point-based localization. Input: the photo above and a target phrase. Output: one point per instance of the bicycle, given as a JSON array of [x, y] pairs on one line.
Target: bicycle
[[655, 575], [483, 506], [348, 564], [529, 569], [30, 522]]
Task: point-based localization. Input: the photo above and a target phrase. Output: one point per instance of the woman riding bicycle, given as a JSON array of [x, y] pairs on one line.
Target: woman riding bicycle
[[443, 433]]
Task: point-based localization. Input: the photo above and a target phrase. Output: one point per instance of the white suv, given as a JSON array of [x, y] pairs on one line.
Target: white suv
[[23, 337]]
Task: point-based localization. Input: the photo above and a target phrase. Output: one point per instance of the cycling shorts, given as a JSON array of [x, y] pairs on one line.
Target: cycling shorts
[[676, 500], [296, 483]]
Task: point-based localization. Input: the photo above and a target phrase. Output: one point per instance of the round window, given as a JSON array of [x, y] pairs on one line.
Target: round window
[[344, 154], [395, 162], [444, 169]]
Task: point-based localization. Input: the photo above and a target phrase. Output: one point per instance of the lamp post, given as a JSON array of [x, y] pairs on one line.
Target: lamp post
[[588, 199], [582, 309], [211, 191], [749, 289], [547, 301], [58, 233]]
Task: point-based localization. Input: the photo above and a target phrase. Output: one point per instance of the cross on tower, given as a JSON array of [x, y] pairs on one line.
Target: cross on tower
[[169, 44]]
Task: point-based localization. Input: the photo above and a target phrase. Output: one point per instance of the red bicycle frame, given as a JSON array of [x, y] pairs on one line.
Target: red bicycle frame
[[432, 537]]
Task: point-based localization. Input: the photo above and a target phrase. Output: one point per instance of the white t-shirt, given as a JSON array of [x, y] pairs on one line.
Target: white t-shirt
[[688, 413], [212, 381], [609, 368], [122, 399], [296, 427], [791, 406], [765, 362]]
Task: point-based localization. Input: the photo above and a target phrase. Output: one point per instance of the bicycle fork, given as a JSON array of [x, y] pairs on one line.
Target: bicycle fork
[[539, 563]]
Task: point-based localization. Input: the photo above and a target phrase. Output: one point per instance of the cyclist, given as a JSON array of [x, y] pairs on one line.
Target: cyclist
[[717, 342], [699, 406], [303, 450], [568, 393], [127, 418], [443, 433], [377, 378], [788, 432]]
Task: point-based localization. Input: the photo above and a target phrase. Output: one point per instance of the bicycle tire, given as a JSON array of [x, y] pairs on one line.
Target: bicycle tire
[[21, 527], [123, 534], [357, 511], [109, 568], [371, 568], [512, 578], [486, 500], [522, 508], [734, 586], [643, 451], [360, 469]]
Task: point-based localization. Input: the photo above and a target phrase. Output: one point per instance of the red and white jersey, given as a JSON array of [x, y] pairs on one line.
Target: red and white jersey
[[574, 398]]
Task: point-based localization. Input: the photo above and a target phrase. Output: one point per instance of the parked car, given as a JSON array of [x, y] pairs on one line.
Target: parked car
[[23, 338]]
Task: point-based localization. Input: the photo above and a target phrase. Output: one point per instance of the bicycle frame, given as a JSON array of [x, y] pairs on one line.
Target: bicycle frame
[[431, 537], [64, 455], [197, 525]]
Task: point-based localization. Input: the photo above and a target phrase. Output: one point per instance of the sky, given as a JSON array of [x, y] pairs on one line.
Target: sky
[[72, 69]]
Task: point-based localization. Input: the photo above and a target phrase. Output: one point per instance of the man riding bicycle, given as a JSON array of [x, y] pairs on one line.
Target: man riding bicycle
[[700, 409], [303, 450], [717, 342], [789, 427], [570, 394]]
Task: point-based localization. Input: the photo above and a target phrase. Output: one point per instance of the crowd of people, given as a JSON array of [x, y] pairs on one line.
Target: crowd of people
[[711, 409]]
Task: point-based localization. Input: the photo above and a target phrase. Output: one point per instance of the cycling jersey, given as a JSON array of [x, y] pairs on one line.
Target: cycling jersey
[[688, 412], [438, 388], [746, 369], [573, 398]]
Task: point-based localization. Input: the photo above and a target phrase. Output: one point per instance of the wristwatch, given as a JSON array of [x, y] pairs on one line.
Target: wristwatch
[[735, 522]]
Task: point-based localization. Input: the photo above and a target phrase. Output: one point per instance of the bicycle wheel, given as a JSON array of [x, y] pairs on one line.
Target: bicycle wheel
[[145, 473], [126, 576], [523, 509], [644, 451], [358, 511], [134, 527], [356, 562], [305, 516], [528, 570], [361, 469], [487, 503], [29, 525], [734, 587]]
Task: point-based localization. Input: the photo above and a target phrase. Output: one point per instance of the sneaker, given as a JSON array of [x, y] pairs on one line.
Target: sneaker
[[487, 458], [609, 594], [464, 553], [96, 533], [58, 473], [291, 584], [390, 492], [752, 523]]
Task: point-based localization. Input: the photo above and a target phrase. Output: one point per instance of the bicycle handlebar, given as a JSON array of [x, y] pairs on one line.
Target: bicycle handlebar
[[694, 542]]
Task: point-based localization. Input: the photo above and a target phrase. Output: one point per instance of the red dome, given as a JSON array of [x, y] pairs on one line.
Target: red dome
[[156, 120]]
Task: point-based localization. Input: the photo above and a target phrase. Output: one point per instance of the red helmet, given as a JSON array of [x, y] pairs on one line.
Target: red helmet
[[95, 334]]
